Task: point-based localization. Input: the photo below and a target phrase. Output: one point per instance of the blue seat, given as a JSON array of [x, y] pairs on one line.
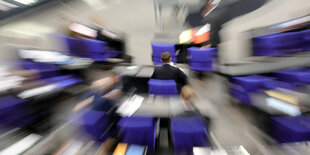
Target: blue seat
[[162, 87], [159, 48], [265, 45], [306, 40], [273, 84], [294, 75], [188, 132], [290, 129], [45, 70], [240, 95], [139, 130], [241, 86], [291, 42], [201, 59], [95, 123], [277, 44], [74, 46], [51, 74], [68, 82], [95, 49], [58, 78], [12, 109], [251, 83]]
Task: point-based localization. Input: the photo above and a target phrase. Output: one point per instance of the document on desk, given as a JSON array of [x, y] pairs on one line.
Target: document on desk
[[130, 106], [208, 151], [287, 108], [37, 91], [22, 145]]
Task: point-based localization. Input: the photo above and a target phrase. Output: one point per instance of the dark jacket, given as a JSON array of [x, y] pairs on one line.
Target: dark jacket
[[168, 72]]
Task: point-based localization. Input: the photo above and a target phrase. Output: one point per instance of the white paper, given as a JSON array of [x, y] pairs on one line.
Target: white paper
[[21, 145], [130, 106], [37, 91], [283, 106]]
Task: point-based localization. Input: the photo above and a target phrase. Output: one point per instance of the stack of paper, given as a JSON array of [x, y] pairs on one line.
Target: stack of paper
[[130, 106]]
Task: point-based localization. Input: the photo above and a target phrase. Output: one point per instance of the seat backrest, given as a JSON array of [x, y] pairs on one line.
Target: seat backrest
[[94, 46], [139, 130], [293, 76], [74, 45], [251, 83], [201, 55], [188, 132], [159, 48], [28, 64], [162, 87]]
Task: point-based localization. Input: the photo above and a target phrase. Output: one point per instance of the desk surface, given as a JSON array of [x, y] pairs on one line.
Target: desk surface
[[135, 70], [259, 101], [127, 70], [161, 106]]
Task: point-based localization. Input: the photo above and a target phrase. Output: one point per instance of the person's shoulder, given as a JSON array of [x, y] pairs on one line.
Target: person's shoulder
[[174, 67], [157, 67]]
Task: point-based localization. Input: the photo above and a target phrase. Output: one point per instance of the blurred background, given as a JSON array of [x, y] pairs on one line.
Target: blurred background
[[77, 77]]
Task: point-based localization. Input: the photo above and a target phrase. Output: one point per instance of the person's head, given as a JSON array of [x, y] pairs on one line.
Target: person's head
[[165, 57]]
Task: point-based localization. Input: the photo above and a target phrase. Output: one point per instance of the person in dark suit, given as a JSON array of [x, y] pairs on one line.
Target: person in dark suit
[[169, 72]]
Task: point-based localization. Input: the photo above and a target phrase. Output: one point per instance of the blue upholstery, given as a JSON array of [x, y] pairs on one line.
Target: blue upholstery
[[306, 40], [240, 95], [45, 69], [74, 46], [68, 82], [162, 87], [201, 59], [95, 49], [290, 129], [95, 123], [98, 50], [140, 130], [243, 85], [11, 109], [251, 83], [188, 132], [277, 44], [273, 84], [58, 78], [294, 75], [160, 48]]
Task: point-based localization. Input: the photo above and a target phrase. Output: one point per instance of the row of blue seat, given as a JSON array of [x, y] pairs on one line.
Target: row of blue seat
[[162, 87], [199, 59], [18, 112], [283, 129], [186, 132], [88, 48], [279, 44], [51, 74]]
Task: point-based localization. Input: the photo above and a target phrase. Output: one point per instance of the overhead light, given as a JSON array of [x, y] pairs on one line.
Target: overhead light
[[26, 2]]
